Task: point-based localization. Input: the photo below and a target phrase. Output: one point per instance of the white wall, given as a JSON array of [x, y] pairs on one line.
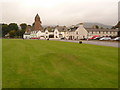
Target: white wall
[[26, 36], [104, 34], [80, 33], [56, 33]]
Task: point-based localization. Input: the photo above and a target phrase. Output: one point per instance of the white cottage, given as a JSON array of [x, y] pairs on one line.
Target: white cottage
[[81, 32]]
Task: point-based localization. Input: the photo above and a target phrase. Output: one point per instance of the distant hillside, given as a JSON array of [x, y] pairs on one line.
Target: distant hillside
[[89, 25], [86, 25]]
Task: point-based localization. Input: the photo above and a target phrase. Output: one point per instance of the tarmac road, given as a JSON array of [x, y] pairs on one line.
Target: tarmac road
[[101, 43]]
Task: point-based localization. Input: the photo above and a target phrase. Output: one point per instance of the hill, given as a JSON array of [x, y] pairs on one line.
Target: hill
[[90, 24]]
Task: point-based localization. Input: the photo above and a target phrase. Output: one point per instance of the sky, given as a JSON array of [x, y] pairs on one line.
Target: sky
[[59, 12]]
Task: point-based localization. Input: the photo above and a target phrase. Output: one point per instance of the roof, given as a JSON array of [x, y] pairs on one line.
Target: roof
[[96, 30], [50, 29], [28, 33], [73, 29], [37, 16], [61, 28]]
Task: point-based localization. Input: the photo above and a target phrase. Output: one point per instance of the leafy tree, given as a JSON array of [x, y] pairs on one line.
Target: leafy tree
[[20, 33], [12, 33], [113, 27], [101, 28], [5, 29], [96, 26], [118, 26], [13, 26], [23, 26], [29, 25]]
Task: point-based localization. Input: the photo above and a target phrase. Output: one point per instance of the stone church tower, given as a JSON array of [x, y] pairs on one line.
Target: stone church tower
[[37, 24]]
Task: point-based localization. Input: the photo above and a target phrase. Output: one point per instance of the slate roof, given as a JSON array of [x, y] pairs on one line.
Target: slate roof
[[73, 29], [61, 29], [28, 33], [97, 30], [50, 29]]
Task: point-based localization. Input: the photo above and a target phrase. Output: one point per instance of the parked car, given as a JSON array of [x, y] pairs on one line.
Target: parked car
[[95, 36], [105, 38], [62, 38], [35, 38], [116, 39]]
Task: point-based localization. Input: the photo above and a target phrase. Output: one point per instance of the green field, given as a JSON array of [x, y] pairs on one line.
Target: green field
[[56, 64], [0, 63]]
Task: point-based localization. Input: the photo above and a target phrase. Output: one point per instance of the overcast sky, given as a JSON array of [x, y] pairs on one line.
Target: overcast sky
[[60, 12]]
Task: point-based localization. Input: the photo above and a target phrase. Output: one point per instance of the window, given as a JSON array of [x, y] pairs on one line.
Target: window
[[99, 32], [77, 37], [76, 32], [106, 31], [73, 37]]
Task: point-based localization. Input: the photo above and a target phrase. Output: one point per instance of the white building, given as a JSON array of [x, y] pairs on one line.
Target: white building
[[75, 33], [59, 32]]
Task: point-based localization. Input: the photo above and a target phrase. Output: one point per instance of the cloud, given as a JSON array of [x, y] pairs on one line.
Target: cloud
[[62, 12]]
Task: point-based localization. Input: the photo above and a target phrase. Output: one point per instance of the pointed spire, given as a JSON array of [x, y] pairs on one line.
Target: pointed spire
[[37, 23], [37, 16]]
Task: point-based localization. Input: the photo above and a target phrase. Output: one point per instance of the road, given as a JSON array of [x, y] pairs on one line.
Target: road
[[101, 43]]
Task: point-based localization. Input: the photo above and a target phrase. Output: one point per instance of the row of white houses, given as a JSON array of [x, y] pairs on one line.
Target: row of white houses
[[72, 33]]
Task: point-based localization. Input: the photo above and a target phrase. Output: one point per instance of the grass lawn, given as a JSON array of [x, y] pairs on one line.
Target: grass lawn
[[0, 63], [55, 64]]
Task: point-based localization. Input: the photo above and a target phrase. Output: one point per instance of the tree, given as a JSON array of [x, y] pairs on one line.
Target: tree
[[12, 33], [101, 28], [20, 33], [96, 26], [13, 26], [5, 29], [118, 25], [23, 26], [113, 27]]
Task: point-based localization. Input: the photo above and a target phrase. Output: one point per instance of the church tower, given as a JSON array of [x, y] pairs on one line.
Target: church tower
[[37, 23]]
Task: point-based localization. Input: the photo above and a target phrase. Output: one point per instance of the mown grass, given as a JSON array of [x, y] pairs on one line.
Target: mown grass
[[55, 64], [0, 63]]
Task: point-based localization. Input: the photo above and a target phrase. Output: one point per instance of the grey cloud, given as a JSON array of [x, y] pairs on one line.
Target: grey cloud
[[67, 13]]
